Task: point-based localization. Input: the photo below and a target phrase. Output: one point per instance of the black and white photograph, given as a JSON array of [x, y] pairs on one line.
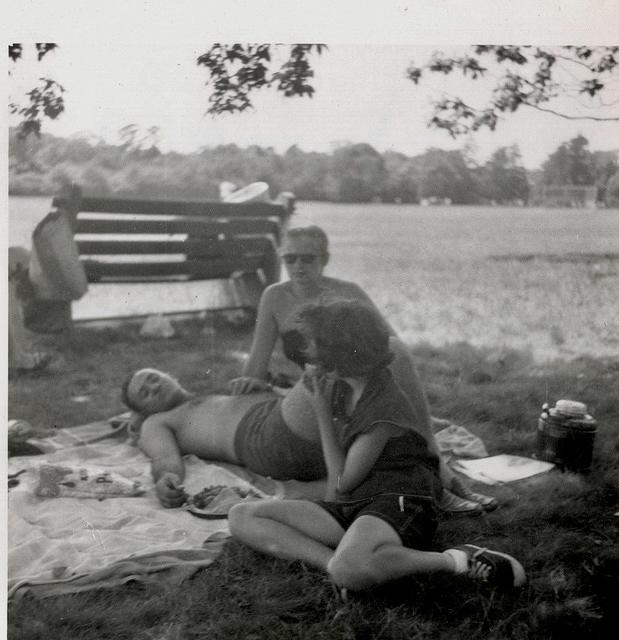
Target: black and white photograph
[[312, 320]]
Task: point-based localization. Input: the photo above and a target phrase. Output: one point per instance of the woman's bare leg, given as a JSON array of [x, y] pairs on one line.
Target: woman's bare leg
[[288, 529], [372, 553]]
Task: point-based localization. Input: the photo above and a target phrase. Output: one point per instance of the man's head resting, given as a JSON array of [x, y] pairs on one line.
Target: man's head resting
[[347, 337], [150, 391]]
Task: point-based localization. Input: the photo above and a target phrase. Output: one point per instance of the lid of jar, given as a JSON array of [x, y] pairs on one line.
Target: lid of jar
[[571, 408]]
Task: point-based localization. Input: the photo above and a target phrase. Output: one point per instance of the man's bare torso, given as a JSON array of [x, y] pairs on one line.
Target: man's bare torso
[[207, 426]]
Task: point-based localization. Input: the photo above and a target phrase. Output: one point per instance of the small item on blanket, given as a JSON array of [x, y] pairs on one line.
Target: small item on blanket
[[57, 481], [216, 500], [21, 430]]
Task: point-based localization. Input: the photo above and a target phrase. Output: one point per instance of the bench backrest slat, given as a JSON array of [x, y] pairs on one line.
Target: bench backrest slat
[[178, 208], [192, 226], [213, 268], [190, 246]]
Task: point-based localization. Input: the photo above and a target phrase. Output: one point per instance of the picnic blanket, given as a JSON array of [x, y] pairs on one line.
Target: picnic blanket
[[84, 515], [61, 543]]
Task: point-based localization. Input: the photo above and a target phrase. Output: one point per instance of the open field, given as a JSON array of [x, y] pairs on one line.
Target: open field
[[531, 279]]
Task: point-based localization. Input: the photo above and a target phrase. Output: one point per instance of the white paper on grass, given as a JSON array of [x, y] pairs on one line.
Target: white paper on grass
[[502, 468]]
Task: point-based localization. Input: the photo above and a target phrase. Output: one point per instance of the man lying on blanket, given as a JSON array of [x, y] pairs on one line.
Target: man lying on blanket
[[269, 434]]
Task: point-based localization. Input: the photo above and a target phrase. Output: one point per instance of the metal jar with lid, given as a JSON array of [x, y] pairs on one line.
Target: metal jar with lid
[[565, 435]]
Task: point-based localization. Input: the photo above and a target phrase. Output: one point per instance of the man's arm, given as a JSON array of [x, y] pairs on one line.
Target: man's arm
[[406, 376], [158, 442], [256, 367]]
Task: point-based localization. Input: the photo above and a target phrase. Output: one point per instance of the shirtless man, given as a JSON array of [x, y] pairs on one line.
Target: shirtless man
[[269, 434]]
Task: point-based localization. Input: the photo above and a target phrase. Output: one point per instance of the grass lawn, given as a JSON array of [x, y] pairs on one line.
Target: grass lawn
[[561, 526]]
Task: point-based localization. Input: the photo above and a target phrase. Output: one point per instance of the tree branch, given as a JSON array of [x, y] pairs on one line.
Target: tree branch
[[568, 117], [573, 60]]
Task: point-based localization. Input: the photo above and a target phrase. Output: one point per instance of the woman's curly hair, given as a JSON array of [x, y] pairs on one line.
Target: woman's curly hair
[[350, 337]]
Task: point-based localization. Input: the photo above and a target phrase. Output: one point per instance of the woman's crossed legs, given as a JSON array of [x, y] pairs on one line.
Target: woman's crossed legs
[[370, 552]]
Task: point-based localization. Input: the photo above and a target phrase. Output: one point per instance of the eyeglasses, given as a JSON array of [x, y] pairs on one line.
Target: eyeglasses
[[304, 258]]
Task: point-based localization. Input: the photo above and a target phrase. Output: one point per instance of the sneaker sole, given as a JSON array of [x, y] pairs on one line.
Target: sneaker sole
[[457, 506], [487, 503], [473, 513], [520, 577]]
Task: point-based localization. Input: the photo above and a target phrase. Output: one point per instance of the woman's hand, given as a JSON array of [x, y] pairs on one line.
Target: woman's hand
[[247, 384], [170, 490], [315, 384]]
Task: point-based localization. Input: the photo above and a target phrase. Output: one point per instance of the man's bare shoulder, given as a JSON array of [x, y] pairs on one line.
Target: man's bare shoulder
[[344, 288], [277, 295], [276, 290]]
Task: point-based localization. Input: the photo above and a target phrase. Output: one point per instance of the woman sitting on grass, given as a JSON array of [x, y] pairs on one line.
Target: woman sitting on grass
[[378, 517], [305, 253]]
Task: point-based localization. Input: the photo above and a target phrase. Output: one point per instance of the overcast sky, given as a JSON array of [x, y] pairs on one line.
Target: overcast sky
[[125, 69]]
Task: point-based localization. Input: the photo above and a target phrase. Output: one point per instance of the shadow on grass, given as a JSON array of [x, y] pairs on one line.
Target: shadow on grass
[[561, 526]]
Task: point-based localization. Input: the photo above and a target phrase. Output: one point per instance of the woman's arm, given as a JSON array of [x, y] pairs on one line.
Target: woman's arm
[[362, 456], [345, 470], [256, 367], [319, 392]]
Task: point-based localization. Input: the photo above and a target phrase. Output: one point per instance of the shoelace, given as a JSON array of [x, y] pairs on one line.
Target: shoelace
[[479, 568]]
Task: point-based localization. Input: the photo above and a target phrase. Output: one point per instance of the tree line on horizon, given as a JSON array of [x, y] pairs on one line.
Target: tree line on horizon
[[353, 173]]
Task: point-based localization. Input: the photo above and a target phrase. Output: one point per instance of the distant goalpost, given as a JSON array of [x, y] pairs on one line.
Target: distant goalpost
[[570, 195]]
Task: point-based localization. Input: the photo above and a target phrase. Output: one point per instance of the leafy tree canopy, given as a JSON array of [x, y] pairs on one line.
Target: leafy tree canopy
[[571, 163], [533, 77], [237, 70], [44, 100]]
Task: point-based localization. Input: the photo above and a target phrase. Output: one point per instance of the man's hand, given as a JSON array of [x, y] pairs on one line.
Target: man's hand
[[247, 384], [170, 490]]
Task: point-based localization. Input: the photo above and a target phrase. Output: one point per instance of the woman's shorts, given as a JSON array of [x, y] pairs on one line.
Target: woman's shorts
[[265, 445], [412, 518]]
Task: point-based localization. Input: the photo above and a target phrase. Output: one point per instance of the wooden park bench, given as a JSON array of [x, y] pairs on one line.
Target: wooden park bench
[[127, 240]]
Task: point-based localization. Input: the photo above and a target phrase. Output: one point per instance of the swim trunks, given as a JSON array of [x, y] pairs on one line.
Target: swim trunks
[[265, 445]]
